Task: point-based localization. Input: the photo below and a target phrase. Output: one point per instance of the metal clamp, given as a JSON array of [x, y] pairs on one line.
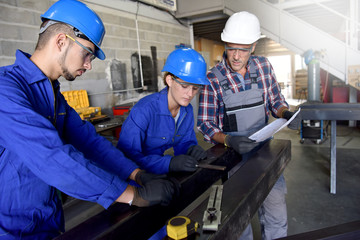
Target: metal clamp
[[212, 215]]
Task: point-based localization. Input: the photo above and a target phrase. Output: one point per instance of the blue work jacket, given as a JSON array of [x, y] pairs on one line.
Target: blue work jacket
[[44, 146], [150, 129]]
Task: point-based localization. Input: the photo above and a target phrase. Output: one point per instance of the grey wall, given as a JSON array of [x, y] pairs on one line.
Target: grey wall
[[19, 25]]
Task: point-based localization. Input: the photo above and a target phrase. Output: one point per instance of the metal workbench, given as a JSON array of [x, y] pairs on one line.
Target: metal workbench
[[332, 112], [109, 124], [243, 193]]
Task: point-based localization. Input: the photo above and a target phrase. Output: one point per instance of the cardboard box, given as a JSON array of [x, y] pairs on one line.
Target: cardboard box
[[354, 76]]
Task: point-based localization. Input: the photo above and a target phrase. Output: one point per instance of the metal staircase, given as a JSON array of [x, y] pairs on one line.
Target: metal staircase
[[326, 26]]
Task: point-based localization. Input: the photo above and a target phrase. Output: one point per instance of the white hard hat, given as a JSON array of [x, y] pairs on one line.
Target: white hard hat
[[241, 28]]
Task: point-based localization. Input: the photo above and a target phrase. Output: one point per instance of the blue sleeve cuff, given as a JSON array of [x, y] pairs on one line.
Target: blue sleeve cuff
[[112, 193]]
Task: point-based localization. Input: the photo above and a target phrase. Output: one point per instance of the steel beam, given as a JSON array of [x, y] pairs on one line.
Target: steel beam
[[330, 111]]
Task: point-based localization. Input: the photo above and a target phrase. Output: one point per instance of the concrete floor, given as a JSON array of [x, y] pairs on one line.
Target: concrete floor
[[310, 204]]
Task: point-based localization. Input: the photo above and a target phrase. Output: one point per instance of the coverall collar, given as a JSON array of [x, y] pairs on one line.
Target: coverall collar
[[31, 72], [164, 108]]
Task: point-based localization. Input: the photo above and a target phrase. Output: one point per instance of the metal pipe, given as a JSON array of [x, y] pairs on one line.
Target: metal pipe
[[138, 43], [314, 80], [209, 166]]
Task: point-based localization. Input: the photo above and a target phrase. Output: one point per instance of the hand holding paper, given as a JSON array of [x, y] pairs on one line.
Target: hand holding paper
[[269, 130], [295, 122], [240, 144]]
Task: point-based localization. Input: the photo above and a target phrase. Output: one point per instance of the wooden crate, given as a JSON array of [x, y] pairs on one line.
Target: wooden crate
[[301, 81], [354, 76]]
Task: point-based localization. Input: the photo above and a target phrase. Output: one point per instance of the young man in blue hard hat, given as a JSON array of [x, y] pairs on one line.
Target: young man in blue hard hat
[[44, 144], [243, 92], [165, 119]]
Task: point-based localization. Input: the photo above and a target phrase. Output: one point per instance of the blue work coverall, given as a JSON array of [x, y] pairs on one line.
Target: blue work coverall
[[44, 146], [150, 129]]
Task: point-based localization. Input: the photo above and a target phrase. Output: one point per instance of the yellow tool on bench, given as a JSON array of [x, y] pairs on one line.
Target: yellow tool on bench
[[180, 227]]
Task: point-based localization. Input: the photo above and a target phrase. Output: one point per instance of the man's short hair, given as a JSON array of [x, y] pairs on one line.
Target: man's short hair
[[50, 31]]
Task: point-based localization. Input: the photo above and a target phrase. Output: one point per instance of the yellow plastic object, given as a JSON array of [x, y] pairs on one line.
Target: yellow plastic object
[[180, 227], [79, 101]]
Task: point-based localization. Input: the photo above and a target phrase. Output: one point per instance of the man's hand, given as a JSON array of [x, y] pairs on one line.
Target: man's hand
[[240, 144], [158, 191], [196, 152], [182, 163], [295, 123], [142, 177]]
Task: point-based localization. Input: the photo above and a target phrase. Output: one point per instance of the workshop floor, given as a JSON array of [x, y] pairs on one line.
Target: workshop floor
[[310, 204]]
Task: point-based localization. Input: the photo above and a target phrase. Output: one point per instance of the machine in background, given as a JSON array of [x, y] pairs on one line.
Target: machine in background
[[314, 130]]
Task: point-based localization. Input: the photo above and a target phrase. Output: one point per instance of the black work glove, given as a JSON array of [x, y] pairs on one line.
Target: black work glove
[[295, 123], [158, 191], [196, 152], [182, 163], [240, 144], [142, 177]]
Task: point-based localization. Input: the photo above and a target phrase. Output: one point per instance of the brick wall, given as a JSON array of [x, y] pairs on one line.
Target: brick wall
[[19, 25]]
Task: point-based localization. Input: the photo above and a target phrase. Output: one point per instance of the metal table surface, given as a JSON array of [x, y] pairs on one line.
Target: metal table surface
[[333, 112], [251, 182], [110, 124]]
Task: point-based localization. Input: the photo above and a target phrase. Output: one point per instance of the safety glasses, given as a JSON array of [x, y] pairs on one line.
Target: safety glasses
[[89, 53], [241, 50], [186, 86]]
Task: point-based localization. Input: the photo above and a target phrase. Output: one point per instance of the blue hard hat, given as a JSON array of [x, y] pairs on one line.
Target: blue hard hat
[[81, 17], [188, 65]]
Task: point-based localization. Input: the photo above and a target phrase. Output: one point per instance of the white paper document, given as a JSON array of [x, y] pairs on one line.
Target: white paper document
[[269, 130]]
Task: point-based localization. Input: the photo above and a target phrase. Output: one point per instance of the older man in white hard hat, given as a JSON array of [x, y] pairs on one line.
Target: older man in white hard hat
[[242, 94]]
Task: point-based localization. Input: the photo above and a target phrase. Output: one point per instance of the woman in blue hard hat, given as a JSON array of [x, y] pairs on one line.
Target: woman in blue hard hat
[[44, 144], [165, 119]]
